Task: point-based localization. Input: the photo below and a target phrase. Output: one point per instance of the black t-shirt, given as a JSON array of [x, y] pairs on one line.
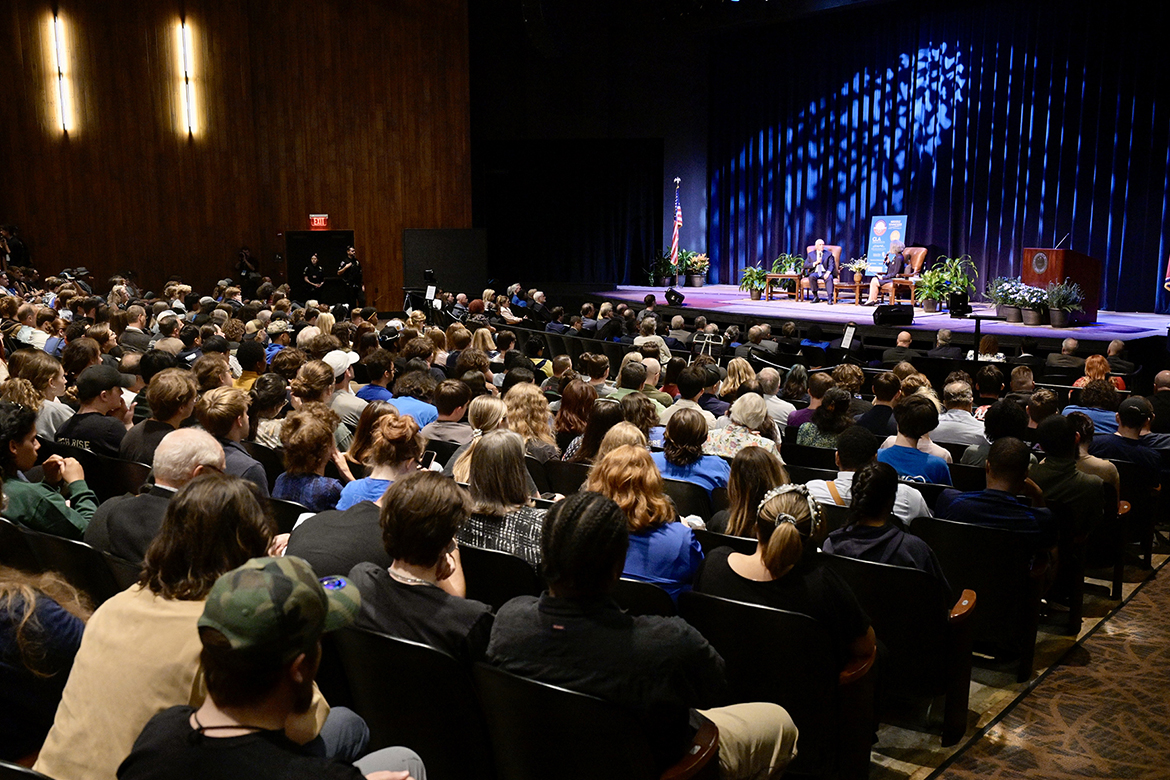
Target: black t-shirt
[[314, 274], [93, 431], [169, 748], [333, 542], [142, 440], [879, 420], [421, 613], [810, 589]]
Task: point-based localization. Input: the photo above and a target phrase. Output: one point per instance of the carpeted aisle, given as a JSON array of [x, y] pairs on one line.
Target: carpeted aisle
[[1103, 713]]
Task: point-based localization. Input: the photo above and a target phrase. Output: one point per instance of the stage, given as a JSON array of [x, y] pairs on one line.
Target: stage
[[726, 304]]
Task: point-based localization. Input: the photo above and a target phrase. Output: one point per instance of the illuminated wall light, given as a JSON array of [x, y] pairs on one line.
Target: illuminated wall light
[[61, 68], [186, 50]]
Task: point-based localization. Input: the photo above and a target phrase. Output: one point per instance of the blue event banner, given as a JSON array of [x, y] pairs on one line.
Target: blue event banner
[[883, 231]]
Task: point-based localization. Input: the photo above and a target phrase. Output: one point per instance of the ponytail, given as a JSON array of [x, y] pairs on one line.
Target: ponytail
[[787, 515]]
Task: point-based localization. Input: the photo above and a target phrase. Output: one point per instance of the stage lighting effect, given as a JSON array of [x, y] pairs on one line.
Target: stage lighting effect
[[61, 86], [185, 47]]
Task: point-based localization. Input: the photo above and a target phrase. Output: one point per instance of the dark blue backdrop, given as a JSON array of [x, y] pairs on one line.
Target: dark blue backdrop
[[994, 127]]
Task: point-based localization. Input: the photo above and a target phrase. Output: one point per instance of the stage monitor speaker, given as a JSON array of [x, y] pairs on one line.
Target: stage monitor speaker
[[674, 297], [896, 314]]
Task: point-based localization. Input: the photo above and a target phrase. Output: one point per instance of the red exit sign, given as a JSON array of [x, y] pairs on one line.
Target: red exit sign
[[318, 222]]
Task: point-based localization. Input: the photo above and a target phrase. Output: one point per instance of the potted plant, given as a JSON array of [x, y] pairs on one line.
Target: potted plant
[[857, 265], [1033, 302], [1063, 297], [786, 263], [753, 280], [695, 267], [664, 273], [931, 287], [1006, 293], [960, 275]]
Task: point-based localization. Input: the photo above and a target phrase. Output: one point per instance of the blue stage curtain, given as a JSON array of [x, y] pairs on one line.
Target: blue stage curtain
[[993, 126]]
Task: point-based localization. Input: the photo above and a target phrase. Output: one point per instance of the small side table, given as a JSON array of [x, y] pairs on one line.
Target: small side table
[[773, 278]]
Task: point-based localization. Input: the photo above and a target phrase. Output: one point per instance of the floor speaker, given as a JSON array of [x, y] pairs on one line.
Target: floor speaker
[[896, 314], [674, 297]]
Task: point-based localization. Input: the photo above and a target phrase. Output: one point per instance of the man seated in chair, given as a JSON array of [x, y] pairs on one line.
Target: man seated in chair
[[820, 265], [575, 636], [895, 269]]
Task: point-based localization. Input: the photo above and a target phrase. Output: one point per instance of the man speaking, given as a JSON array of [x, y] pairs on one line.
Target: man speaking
[[820, 264]]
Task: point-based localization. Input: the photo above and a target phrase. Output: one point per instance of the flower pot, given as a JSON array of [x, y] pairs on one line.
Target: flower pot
[[1010, 313], [1058, 318], [756, 294], [929, 306], [1032, 316], [666, 281], [696, 280]]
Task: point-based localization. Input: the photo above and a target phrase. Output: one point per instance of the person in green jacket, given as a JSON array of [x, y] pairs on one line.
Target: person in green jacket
[[62, 504]]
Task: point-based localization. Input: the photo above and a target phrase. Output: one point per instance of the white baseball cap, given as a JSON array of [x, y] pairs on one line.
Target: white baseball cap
[[339, 361]]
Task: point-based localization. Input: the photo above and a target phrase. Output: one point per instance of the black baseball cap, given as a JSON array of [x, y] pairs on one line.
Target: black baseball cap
[[96, 380]]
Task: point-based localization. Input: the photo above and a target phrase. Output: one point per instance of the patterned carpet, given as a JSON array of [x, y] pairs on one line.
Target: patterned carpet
[[1103, 713], [1072, 689]]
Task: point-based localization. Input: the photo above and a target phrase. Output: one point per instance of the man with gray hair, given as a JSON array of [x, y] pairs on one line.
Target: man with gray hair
[[957, 425], [678, 330], [125, 526], [1117, 364], [1067, 357], [778, 408], [943, 348]]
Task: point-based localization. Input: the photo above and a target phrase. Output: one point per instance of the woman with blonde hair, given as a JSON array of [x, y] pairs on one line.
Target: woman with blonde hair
[[754, 472], [528, 416], [779, 574], [417, 320], [1097, 367], [662, 551], [486, 413], [619, 436], [396, 450], [481, 339], [326, 321], [503, 517], [738, 372], [437, 337], [313, 382], [47, 376]]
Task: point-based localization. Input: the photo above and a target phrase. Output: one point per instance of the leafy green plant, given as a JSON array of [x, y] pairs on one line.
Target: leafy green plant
[[958, 272], [1065, 296], [754, 278], [696, 263], [933, 285], [787, 264], [662, 267]]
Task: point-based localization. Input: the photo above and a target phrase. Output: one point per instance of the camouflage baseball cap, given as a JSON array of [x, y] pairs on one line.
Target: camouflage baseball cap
[[278, 604]]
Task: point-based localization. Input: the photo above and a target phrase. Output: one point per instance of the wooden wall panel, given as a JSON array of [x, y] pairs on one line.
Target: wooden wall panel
[[358, 109]]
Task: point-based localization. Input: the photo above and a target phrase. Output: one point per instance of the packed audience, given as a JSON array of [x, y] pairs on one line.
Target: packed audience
[[402, 442]]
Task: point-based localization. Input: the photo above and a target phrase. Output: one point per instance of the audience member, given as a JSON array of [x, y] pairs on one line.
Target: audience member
[[422, 515], [682, 457], [943, 348], [778, 408], [1117, 364], [902, 350], [654, 665], [1067, 357], [916, 416], [62, 504], [1160, 403], [692, 382], [1133, 417], [988, 350], [1057, 475], [1004, 418], [395, 450], [1023, 384], [870, 536], [103, 419], [452, 397], [748, 422], [829, 419], [957, 425], [172, 394], [1097, 367], [856, 449], [503, 516], [1091, 464], [1041, 405], [879, 420], [818, 384], [309, 446], [124, 526], [223, 412], [1099, 400], [754, 472]]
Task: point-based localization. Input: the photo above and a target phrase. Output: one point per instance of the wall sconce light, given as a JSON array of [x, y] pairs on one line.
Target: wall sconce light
[[61, 70], [186, 50]]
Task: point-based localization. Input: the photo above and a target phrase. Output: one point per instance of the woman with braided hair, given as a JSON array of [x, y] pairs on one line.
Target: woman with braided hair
[[780, 575], [870, 536]]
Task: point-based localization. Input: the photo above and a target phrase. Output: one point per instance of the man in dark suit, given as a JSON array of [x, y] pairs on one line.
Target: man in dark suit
[[754, 343], [1160, 403], [1116, 363], [135, 338], [895, 269], [820, 265], [126, 525], [902, 351], [943, 347], [1067, 357], [539, 310]]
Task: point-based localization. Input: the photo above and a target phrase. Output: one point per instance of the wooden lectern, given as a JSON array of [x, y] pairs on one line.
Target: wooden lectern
[[1042, 266]]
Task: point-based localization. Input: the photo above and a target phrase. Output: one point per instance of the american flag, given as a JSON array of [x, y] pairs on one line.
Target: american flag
[[677, 225]]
